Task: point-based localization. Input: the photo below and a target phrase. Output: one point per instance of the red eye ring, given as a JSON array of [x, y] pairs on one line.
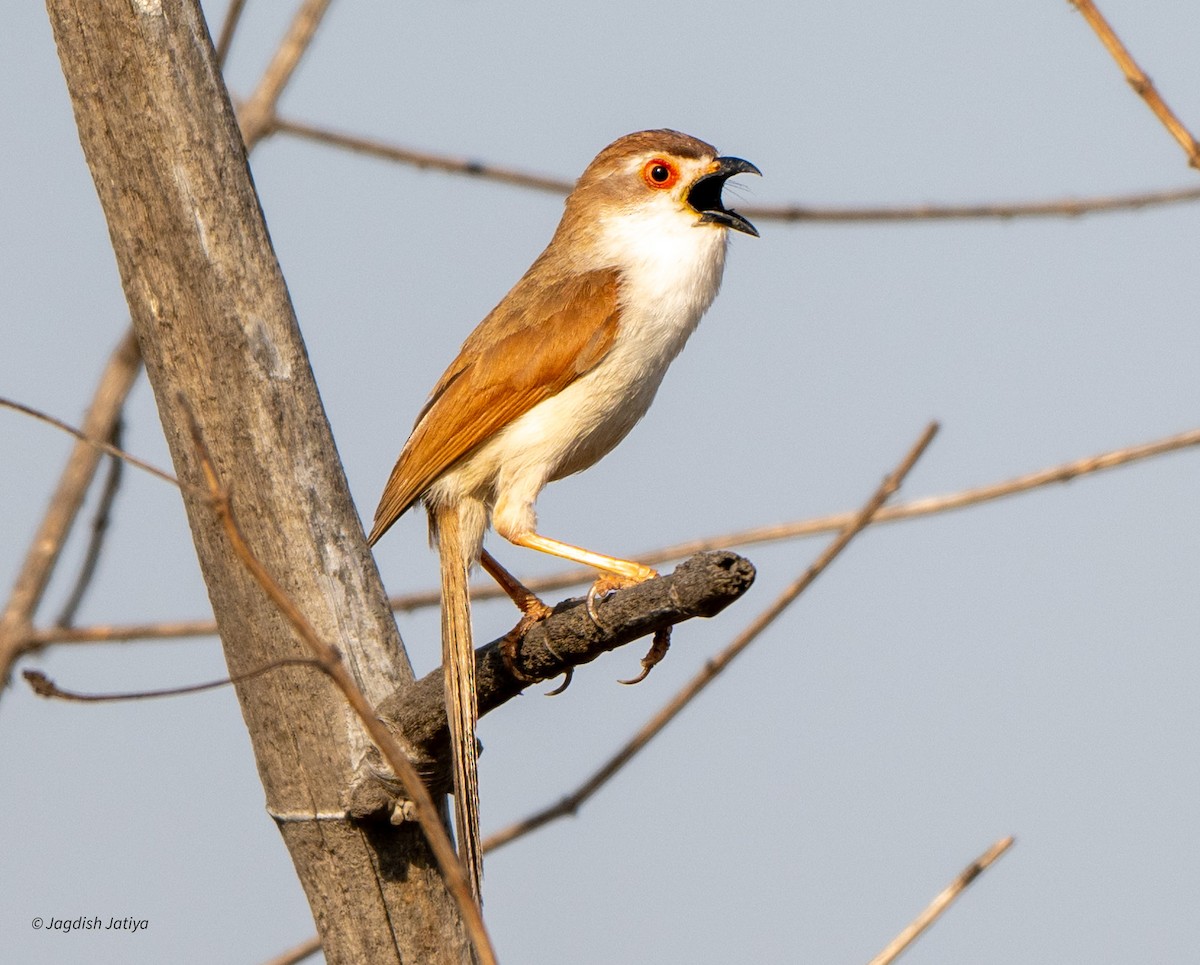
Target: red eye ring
[[659, 173]]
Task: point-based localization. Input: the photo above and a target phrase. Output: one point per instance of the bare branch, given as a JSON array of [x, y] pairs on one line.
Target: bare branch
[[942, 902], [1058, 208], [229, 25], [424, 159], [700, 587], [713, 668], [1138, 80], [1055, 208], [105, 411], [932, 505], [256, 114], [100, 445], [100, 523], [43, 686], [298, 953], [123, 632], [929, 506]]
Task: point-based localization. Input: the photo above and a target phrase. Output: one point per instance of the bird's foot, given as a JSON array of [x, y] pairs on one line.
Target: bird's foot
[[658, 649], [608, 583], [533, 612]]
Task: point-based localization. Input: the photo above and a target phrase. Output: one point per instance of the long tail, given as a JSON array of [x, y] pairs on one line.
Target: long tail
[[458, 663]]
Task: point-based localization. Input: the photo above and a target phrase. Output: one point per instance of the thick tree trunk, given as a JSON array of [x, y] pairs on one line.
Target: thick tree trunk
[[216, 328]]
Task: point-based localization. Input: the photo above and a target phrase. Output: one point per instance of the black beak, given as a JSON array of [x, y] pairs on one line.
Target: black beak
[[705, 194]]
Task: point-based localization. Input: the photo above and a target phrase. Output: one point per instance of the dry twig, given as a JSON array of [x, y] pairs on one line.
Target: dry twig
[[1058, 208], [229, 25], [941, 902], [43, 686], [101, 445], [100, 523], [16, 622], [929, 506], [256, 114], [297, 953], [712, 668], [1142, 85]]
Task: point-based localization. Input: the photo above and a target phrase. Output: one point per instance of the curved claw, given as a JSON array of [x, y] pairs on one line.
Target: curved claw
[[658, 649], [567, 675], [640, 677], [593, 592], [605, 584]]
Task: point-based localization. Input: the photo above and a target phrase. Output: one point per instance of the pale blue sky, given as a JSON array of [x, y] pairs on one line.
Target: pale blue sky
[[1024, 668]]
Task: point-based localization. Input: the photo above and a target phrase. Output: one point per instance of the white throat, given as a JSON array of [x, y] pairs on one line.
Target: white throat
[[671, 265]]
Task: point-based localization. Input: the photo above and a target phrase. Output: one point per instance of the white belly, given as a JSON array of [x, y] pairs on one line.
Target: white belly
[[663, 296]]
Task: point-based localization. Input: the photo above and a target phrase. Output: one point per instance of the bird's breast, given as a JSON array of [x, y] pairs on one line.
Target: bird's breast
[[668, 280]]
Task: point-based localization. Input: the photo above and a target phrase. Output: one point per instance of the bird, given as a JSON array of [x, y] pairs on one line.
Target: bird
[[550, 381]]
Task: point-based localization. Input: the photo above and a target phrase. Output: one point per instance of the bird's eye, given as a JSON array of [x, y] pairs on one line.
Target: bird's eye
[[659, 173]]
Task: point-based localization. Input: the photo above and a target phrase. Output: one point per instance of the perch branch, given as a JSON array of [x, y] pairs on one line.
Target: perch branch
[[929, 506], [701, 586], [573, 801]]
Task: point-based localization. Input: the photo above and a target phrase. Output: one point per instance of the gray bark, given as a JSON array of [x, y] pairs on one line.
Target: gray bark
[[216, 328]]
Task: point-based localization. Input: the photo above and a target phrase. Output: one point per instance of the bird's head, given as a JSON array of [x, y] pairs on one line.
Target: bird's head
[[664, 175]]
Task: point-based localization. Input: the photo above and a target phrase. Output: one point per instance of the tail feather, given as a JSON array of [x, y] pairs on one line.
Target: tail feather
[[458, 664]]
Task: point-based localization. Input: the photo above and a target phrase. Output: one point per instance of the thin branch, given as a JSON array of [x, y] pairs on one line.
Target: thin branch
[[16, 622], [229, 25], [100, 523], [424, 159], [1059, 208], [43, 686], [929, 506], [932, 505], [713, 668], [255, 116], [426, 812], [942, 902], [297, 954], [123, 632], [1055, 208], [81, 434], [1138, 80]]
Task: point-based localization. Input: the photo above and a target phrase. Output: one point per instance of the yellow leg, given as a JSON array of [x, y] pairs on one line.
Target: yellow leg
[[627, 570], [615, 573]]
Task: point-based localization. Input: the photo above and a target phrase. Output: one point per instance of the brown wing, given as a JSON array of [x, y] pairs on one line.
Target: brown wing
[[535, 343]]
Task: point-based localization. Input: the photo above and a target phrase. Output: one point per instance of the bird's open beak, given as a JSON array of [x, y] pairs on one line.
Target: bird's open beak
[[705, 194]]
